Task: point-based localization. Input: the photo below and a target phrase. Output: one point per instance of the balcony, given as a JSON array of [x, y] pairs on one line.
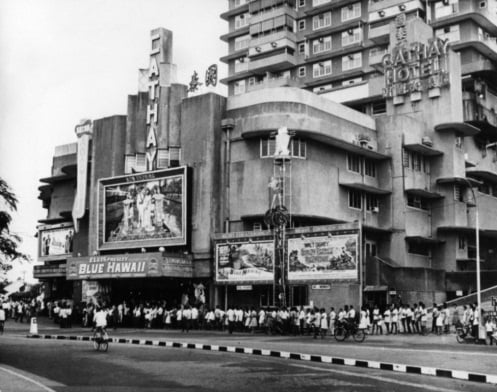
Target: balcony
[[486, 168], [465, 10], [277, 62], [275, 37], [272, 83], [265, 48], [379, 35], [274, 13], [480, 116]]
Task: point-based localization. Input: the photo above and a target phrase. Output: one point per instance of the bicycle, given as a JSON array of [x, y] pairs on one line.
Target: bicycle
[[344, 330], [463, 334], [100, 340]]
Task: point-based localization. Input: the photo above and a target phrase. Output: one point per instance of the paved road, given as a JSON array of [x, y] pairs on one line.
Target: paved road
[[30, 365], [431, 351]]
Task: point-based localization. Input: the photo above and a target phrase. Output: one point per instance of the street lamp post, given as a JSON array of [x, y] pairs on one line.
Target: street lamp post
[[477, 233]]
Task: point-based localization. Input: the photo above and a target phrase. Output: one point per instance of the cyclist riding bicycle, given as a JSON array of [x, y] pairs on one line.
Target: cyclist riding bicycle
[[100, 320]]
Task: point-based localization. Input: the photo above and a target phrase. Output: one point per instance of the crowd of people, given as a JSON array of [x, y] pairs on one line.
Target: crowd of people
[[317, 322]]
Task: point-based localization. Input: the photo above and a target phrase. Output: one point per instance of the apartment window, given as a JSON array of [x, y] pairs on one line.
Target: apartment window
[[369, 167], [351, 61], [379, 107], [315, 3], [242, 42], [355, 199], [239, 87], [417, 202], [242, 20], [129, 164], [415, 161], [351, 36], [298, 148], [371, 202], [462, 242], [257, 226], [301, 3], [301, 72], [458, 193], [418, 248], [162, 158], [354, 163], [321, 69], [351, 11], [321, 21], [301, 24], [405, 158], [322, 44]]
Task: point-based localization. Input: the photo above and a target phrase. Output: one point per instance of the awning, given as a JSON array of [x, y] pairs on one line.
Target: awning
[[376, 288], [458, 180], [423, 240], [459, 127], [423, 149], [424, 193], [365, 188]]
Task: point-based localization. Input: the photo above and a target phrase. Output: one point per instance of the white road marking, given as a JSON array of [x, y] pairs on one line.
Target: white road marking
[[44, 387], [424, 387]]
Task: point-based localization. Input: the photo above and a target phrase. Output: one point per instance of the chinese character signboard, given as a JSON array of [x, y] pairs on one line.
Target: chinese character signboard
[[245, 261], [144, 209], [327, 257]]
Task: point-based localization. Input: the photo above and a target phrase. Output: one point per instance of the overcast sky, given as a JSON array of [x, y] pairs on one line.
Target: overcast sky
[[64, 60]]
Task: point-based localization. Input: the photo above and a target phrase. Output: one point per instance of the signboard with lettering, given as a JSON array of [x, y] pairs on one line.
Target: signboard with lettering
[[323, 257], [129, 266], [414, 67], [144, 209], [56, 241], [49, 271], [245, 261]]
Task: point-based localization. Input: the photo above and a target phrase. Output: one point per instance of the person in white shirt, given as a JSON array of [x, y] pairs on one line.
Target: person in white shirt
[[100, 321], [187, 319], [2, 319], [230, 314], [195, 323]]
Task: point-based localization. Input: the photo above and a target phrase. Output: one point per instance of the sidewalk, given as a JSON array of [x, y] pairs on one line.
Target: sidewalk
[[440, 352]]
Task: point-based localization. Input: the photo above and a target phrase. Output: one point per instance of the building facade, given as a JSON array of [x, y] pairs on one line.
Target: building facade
[[319, 189]]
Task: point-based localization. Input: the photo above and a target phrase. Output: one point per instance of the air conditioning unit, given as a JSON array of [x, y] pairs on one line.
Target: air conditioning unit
[[402, 7], [321, 39], [483, 4], [274, 44], [426, 140], [258, 48], [446, 2], [381, 13], [375, 210], [350, 31], [351, 57], [241, 59]]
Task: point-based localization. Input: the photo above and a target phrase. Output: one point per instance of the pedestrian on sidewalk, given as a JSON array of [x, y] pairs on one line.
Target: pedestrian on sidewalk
[[387, 319], [2, 319], [491, 329]]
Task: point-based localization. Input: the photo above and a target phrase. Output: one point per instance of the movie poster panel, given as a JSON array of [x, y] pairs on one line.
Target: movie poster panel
[[323, 257], [245, 261], [150, 209], [56, 242]]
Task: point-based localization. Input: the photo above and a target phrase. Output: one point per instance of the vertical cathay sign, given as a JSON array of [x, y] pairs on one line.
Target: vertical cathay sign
[[153, 103]]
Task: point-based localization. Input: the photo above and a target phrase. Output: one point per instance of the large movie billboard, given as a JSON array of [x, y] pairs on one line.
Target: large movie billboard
[[56, 241], [245, 261], [145, 209], [323, 257]]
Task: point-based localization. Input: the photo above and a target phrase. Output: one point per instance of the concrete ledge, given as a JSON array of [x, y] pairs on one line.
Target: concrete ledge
[[395, 367]]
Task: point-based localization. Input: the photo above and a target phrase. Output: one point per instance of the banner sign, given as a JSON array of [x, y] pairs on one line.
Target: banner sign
[[49, 271], [56, 241], [145, 209], [245, 261], [323, 257], [129, 266]]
